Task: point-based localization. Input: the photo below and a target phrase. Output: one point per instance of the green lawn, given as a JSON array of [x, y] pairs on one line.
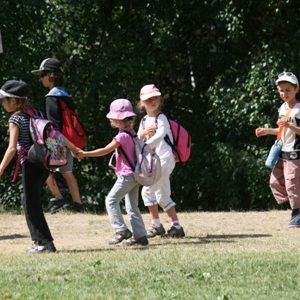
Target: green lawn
[[224, 256]]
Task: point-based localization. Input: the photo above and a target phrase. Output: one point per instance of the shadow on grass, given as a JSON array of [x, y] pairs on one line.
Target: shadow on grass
[[116, 248], [236, 236], [218, 238], [191, 240], [12, 237], [152, 244]]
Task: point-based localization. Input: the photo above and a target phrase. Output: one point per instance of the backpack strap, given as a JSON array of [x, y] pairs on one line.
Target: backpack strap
[[18, 165], [144, 118], [166, 138], [21, 152], [126, 157], [62, 104], [124, 153], [281, 129], [32, 112], [58, 92]]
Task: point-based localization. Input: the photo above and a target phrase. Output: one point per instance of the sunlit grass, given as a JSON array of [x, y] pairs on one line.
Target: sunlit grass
[[224, 256]]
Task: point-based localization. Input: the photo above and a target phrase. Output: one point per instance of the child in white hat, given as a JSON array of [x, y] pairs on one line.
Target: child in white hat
[[285, 176]]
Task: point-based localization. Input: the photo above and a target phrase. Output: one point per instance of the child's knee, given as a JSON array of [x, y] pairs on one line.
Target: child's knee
[[166, 204], [110, 201], [149, 202]]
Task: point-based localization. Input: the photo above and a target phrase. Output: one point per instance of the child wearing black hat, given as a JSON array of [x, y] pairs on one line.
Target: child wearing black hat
[[52, 77], [13, 96]]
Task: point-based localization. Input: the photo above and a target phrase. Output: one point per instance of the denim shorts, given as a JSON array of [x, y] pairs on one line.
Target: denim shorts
[[68, 168]]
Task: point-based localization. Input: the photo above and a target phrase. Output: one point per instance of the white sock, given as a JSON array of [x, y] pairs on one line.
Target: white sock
[[176, 224], [155, 222]]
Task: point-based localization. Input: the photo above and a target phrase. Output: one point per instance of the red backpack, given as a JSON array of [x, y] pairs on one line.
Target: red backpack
[[72, 128]]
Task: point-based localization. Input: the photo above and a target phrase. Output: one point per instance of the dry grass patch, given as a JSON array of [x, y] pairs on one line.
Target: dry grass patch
[[235, 231], [228, 255]]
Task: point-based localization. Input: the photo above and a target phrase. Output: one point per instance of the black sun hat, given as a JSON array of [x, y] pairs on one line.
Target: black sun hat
[[14, 89], [48, 65]]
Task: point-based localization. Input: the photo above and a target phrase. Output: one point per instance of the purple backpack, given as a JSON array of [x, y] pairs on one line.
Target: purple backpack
[[147, 168], [48, 149]]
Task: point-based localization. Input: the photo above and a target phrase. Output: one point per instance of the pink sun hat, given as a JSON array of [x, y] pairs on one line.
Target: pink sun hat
[[148, 91], [120, 109]]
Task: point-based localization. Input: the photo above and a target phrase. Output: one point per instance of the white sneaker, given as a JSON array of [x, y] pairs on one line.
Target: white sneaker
[[36, 248]]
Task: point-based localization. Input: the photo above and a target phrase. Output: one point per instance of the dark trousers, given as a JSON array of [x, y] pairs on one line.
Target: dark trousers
[[33, 179]]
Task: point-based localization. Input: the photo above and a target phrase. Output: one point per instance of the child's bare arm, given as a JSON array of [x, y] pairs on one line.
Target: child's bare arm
[[100, 151], [265, 131], [12, 147]]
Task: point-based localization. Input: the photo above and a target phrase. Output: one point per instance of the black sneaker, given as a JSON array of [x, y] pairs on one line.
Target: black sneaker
[[154, 231], [120, 236], [295, 222], [77, 207], [173, 232], [46, 248], [57, 204], [142, 241]]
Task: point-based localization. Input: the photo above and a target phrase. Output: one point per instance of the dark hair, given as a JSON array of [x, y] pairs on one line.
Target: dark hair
[[21, 103], [57, 78]]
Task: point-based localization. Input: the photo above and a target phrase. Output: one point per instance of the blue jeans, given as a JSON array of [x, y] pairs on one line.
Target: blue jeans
[[125, 186]]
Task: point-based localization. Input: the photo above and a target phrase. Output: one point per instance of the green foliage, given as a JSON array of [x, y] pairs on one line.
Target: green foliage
[[214, 61]]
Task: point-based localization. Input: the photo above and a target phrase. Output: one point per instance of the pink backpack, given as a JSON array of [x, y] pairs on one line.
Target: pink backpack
[[182, 143]]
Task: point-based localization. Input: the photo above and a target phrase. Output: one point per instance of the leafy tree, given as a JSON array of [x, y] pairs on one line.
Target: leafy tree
[[215, 62]]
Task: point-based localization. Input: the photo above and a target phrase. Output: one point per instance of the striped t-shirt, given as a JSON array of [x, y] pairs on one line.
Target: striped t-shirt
[[24, 140]]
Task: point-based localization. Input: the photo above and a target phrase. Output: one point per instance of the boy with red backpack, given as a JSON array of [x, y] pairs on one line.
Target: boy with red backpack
[[57, 101]]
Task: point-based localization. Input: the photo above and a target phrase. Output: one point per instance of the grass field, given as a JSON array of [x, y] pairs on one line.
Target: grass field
[[230, 255]]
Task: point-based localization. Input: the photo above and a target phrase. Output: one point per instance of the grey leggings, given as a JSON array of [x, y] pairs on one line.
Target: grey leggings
[[125, 186]]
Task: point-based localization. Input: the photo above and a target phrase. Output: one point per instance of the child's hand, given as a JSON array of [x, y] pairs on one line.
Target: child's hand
[[261, 131], [150, 131], [80, 154], [74, 151], [281, 122]]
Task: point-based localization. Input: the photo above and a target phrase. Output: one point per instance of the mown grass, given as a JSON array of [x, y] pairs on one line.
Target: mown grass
[[224, 256]]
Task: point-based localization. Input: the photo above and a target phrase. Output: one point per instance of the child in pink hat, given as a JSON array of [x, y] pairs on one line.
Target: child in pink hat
[[121, 116], [153, 128]]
